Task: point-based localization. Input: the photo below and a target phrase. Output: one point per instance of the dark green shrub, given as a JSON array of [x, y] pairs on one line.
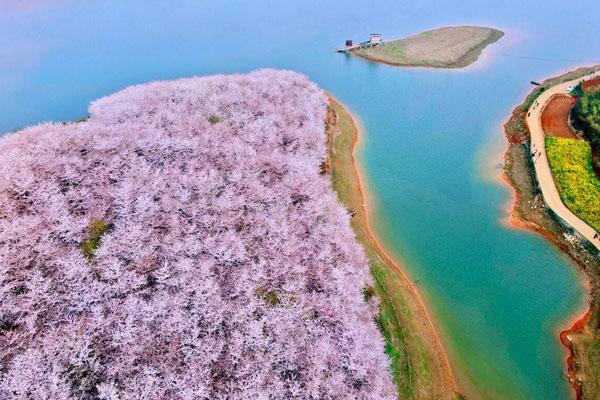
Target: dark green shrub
[[96, 229]]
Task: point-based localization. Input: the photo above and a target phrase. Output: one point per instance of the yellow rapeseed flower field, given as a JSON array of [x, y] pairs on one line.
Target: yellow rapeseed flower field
[[571, 164]]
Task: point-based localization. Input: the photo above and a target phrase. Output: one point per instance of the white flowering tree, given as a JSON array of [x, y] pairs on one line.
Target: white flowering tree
[[182, 244]]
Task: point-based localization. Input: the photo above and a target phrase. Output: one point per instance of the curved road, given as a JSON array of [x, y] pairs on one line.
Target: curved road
[[542, 168]]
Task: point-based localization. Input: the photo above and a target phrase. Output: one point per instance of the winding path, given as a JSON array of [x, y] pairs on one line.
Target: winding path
[[542, 167]]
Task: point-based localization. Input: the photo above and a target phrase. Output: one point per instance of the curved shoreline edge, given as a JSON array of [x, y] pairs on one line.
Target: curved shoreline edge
[[445, 384], [565, 339], [578, 323], [529, 212]]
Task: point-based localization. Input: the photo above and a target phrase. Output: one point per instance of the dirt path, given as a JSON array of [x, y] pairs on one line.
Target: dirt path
[[422, 369], [542, 167]]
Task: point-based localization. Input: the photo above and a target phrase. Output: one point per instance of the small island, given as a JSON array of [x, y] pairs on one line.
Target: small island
[[448, 47]]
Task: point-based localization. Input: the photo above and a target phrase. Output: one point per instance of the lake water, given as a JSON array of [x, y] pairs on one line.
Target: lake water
[[498, 296]]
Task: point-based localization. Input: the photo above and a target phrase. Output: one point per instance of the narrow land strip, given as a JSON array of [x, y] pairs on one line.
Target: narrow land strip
[[420, 365], [542, 167]]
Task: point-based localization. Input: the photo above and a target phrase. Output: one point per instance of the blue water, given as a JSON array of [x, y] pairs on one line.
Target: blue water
[[498, 296]]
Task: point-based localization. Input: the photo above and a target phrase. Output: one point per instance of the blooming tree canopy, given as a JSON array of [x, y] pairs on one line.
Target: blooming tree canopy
[[181, 243]]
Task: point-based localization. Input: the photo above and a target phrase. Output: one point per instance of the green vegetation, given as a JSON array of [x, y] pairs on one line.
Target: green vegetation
[[390, 323], [213, 119], [577, 91], [269, 296], [571, 164], [587, 348], [532, 97], [416, 370], [588, 108], [96, 229], [587, 118], [368, 293]]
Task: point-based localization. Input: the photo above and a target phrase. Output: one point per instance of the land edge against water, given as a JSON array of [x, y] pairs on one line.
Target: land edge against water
[[444, 380], [470, 57], [529, 212]]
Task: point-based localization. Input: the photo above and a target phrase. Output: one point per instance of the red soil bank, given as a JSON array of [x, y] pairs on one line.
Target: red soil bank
[[555, 117], [591, 84], [564, 338]]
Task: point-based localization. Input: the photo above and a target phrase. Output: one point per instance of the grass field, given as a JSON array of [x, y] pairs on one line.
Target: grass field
[[571, 164], [448, 47], [417, 371]]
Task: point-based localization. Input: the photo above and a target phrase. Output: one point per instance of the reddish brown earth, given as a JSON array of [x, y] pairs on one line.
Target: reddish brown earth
[[555, 117], [591, 84], [564, 338]]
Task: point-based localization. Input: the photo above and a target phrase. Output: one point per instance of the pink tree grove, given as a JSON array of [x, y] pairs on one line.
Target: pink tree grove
[[181, 243]]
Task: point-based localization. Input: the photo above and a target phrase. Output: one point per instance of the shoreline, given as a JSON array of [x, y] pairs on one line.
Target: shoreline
[[532, 215], [578, 320], [413, 297], [581, 316], [564, 338]]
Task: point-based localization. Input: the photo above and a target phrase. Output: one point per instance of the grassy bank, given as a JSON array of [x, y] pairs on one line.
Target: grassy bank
[[418, 363], [529, 211], [448, 47]]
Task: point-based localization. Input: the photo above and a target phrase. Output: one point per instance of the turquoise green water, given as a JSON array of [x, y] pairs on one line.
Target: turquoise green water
[[498, 296]]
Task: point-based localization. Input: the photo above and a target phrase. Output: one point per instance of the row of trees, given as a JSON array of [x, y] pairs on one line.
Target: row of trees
[[182, 244], [587, 117]]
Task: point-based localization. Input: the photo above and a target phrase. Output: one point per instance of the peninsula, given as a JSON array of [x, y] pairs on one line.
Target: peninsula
[[447, 47], [550, 166]]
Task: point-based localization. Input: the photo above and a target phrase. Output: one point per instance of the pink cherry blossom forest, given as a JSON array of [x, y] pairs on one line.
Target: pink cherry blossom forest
[[181, 243]]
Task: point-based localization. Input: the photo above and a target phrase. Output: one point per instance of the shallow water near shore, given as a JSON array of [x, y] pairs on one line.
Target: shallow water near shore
[[498, 295]]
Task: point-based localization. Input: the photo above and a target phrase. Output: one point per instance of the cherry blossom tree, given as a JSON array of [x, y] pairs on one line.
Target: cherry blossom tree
[[181, 243]]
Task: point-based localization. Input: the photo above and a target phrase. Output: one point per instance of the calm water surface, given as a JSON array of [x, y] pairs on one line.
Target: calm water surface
[[498, 296]]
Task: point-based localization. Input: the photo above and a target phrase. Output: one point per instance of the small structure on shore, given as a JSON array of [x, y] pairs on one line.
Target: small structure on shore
[[374, 41]]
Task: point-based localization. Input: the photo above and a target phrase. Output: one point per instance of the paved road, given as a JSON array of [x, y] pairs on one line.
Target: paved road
[[542, 168]]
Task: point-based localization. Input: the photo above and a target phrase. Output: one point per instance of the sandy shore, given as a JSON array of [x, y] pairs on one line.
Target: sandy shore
[[417, 320]]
